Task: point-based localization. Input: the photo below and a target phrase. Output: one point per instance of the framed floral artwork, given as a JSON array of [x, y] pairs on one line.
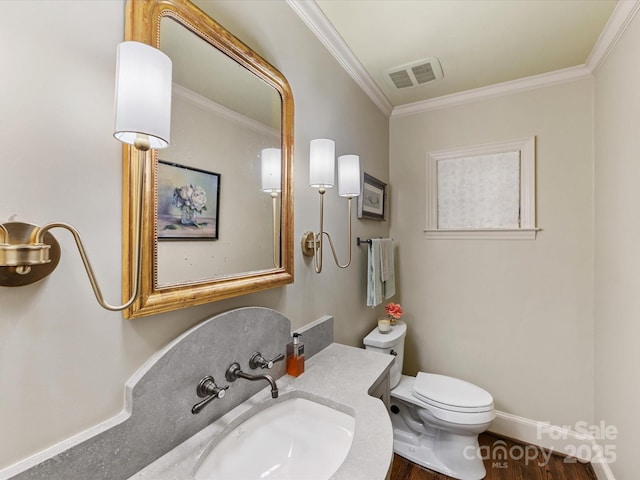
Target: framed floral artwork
[[373, 198], [188, 202]]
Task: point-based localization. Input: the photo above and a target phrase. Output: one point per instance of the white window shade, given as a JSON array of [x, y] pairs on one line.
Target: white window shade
[[482, 192], [479, 192]]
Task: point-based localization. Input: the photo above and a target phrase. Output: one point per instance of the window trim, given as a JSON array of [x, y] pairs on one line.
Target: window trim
[[527, 230]]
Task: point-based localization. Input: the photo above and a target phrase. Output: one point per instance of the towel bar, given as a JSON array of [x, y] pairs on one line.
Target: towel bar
[[360, 242]]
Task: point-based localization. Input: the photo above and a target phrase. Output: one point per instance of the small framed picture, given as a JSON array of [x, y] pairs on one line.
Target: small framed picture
[[188, 202], [373, 198]]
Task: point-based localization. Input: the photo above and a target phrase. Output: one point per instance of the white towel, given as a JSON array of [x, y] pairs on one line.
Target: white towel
[[381, 278], [387, 270]]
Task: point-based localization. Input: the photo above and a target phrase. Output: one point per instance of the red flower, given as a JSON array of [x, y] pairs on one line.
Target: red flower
[[394, 310]]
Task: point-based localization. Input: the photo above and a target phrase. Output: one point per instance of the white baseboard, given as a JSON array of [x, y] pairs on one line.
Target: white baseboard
[[551, 437]]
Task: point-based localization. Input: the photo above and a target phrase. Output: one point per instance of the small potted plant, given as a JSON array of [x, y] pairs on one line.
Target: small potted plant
[[394, 312]]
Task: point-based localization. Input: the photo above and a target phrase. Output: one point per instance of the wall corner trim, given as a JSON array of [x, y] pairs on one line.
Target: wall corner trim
[[322, 28]]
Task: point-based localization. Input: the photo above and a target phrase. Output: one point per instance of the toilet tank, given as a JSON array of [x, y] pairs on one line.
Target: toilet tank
[[391, 343]]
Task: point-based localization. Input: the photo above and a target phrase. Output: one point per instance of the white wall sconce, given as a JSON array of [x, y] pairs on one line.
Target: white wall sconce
[[29, 253], [322, 177], [271, 163]]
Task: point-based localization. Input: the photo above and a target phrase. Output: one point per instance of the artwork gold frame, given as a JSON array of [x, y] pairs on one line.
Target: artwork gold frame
[[372, 202], [143, 25]]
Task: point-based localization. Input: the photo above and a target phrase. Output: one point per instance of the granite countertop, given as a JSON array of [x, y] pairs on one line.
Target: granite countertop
[[338, 376]]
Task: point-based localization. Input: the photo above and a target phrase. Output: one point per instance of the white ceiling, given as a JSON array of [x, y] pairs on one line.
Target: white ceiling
[[479, 43]]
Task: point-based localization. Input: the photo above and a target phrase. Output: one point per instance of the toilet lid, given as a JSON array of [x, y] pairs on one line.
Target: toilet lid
[[451, 393]]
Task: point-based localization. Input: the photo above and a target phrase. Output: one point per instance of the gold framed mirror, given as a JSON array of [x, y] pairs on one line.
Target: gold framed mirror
[[252, 107]]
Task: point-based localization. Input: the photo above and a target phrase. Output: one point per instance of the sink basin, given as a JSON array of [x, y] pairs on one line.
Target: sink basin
[[292, 439]]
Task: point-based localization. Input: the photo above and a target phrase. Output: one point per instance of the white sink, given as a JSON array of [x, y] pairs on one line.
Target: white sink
[[292, 439]]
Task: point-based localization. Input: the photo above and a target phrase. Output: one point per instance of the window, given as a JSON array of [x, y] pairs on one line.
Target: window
[[485, 191]]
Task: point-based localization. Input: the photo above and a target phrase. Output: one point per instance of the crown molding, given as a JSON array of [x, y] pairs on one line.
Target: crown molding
[[220, 110], [497, 90], [320, 25], [322, 28], [616, 25]]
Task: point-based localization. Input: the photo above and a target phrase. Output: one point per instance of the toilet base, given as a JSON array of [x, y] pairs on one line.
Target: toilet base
[[424, 456], [442, 451]]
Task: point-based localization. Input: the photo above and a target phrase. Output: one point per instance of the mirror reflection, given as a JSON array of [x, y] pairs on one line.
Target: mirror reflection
[[213, 218], [216, 227]]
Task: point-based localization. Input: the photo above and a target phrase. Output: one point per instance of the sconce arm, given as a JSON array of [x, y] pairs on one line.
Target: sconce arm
[[312, 242], [335, 256], [333, 250], [275, 230], [317, 239], [29, 253], [38, 238]]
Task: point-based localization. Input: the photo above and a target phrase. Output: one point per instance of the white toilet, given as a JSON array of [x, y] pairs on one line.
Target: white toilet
[[436, 419]]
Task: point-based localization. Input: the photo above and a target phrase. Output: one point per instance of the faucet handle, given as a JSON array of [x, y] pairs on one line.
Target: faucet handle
[[208, 388], [258, 361]]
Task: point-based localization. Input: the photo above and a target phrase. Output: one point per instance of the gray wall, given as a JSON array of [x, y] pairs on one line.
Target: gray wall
[[63, 360], [513, 316]]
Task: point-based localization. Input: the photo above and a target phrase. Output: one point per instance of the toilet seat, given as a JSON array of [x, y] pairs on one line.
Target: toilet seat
[[404, 391], [451, 393]]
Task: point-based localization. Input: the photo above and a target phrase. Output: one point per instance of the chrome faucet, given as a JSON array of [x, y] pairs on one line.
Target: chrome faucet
[[234, 371]]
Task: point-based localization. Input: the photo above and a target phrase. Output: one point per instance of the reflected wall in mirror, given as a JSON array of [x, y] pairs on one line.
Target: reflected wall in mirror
[[222, 117], [228, 106]]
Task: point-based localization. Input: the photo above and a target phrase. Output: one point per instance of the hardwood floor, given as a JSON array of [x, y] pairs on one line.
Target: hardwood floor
[[533, 465]]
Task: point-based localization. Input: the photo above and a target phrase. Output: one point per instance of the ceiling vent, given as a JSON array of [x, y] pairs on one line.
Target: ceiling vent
[[415, 74]]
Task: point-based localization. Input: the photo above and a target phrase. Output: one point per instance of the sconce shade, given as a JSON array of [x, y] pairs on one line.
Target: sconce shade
[[349, 175], [271, 170], [322, 163], [143, 94]]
